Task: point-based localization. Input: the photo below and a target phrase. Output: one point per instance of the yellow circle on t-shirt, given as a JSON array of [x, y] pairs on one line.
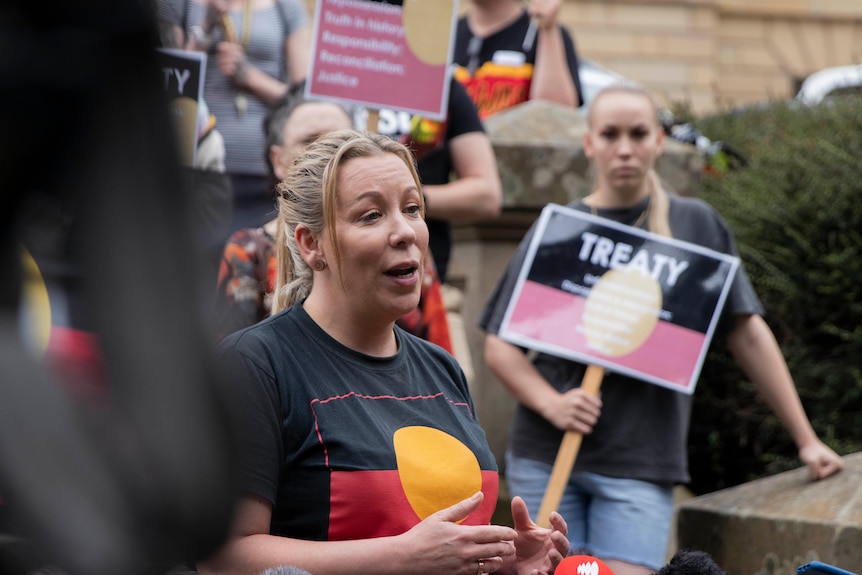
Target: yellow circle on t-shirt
[[436, 469], [424, 20], [621, 311]]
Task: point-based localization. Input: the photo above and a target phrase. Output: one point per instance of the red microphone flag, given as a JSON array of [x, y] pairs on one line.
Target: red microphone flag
[[582, 565]]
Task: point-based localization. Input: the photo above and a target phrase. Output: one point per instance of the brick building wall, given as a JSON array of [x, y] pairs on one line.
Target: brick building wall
[[714, 54]]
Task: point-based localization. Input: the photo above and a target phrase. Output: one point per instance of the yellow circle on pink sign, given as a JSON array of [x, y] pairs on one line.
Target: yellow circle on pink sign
[[423, 21], [621, 311]]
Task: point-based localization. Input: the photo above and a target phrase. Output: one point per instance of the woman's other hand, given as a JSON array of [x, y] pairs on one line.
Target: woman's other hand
[[538, 550]]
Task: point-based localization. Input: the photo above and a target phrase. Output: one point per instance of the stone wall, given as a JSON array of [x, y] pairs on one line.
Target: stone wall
[[772, 525]]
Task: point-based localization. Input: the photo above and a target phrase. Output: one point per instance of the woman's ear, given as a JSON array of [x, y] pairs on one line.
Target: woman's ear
[[659, 142], [588, 144], [308, 244]]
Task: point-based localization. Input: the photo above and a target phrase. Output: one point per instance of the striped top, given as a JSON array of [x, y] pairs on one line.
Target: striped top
[[270, 28]]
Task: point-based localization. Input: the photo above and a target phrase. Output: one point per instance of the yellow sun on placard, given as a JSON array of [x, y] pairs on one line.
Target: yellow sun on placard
[[423, 22], [436, 469], [35, 306], [621, 311]]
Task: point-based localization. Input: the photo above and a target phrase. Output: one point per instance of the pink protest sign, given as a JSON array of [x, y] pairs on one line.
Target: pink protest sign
[[383, 55]]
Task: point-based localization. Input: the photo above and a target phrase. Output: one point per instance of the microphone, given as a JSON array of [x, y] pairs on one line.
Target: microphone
[[582, 565], [285, 570]]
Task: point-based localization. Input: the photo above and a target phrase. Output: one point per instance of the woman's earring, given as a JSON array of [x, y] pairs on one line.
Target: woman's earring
[[319, 265]]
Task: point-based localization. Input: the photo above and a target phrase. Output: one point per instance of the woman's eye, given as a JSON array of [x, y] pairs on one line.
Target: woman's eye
[[371, 216], [640, 134], [414, 209], [610, 134]]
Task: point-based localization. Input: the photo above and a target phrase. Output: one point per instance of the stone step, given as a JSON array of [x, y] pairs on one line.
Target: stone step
[[772, 525]]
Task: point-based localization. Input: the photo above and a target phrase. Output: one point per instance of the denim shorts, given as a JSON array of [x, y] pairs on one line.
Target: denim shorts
[[610, 518]]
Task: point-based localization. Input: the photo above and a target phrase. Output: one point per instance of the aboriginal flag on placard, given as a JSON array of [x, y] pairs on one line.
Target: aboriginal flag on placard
[[596, 291], [370, 446]]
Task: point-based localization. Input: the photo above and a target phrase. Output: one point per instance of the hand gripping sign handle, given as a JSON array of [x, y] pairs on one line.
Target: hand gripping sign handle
[[567, 454]]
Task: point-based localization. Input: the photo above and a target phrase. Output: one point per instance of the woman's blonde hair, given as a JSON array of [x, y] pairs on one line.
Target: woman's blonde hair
[[308, 196], [659, 205]]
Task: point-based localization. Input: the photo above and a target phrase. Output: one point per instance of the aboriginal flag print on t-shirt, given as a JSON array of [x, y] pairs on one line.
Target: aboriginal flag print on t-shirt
[[424, 469], [349, 446], [379, 475]]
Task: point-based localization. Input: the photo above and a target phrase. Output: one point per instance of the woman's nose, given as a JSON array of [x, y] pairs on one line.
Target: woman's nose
[[404, 230], [624, 148]]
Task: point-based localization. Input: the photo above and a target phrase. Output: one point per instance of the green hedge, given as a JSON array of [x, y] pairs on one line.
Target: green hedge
[[796, 212]]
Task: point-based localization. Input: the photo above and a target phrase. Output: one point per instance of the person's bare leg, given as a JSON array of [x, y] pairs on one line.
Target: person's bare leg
[[623, 568]]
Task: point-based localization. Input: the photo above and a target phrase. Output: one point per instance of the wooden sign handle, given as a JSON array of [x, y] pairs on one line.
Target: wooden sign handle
[[229, 30], [567, 454]]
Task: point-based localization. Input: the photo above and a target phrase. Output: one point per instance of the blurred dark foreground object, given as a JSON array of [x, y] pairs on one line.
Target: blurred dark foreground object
[[691, 562], [143, 479]]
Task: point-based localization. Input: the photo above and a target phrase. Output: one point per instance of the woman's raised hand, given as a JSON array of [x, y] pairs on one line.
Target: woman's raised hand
[[538, 550]]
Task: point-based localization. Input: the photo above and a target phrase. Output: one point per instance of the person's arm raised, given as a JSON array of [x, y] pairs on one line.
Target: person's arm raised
[[297, 50], [552, 79], [476, 193], [537, 549], [232, 62]]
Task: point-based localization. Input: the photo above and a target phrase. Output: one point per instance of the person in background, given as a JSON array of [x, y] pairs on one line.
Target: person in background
[[456, 164], [246, 277], [618, 501], [256, 49], [74, 408], [213, 206], [508, 53], [690, 562], [346, 416]]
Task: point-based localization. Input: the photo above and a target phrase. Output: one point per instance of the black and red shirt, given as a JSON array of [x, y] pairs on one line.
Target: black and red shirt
[[498, 70]]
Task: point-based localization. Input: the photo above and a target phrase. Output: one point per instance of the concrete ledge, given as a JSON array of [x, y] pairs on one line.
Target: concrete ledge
[[540, 157], [774, 524]]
